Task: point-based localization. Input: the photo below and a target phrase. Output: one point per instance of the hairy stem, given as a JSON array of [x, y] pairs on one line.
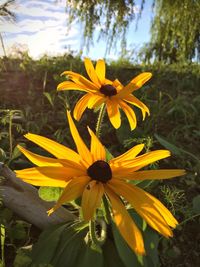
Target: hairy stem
[[100, 120]]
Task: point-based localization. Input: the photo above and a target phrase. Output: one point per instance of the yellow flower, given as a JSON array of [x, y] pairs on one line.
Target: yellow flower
[[88, 174], [101, 90]]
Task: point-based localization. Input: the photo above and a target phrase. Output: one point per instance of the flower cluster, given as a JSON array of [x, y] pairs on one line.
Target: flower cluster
[[87, 174]]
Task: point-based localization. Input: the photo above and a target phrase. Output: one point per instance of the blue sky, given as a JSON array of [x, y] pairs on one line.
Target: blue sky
[[41, 27]]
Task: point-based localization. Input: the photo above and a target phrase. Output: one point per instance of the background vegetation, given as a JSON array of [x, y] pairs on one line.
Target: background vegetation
[[29, 103]]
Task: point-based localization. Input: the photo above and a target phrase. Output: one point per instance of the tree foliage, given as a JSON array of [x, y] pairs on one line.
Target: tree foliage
[[175, 29], [5, 13], [111, 17]]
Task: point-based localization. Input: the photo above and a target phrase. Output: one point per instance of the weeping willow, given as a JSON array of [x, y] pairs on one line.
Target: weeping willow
[[112, 18], [175, 28], [5, 13], [175, 31]]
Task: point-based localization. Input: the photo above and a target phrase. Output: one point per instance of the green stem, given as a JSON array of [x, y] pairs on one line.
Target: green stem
[[98, 240], [2, 233], [106, 210], [10, 133], [100, 120], [188, 219]]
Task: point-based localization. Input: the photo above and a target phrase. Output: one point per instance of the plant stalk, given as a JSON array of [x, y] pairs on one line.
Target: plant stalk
[[2, 233], [100, 120]]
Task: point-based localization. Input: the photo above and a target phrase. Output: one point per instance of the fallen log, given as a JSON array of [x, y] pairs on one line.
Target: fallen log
[[23, 200]]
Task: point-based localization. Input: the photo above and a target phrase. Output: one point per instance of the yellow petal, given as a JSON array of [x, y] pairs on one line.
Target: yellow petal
[[71, 164], [135, 84], [129, 113], [47, 176], [113, 113], [78, 79], [136, 102], [80, 107], [95, 101], [129, 155], [97, 149], [73, 76], [73, 190], [117, 84], [56, 149], [125, 224], [71, 86], [143, 204], [80, 145], [143, 160], [101, 70], [154, 174], [169, 218], [90, 85], [39, 160], [107, 81], [91, 71], [91, 199]]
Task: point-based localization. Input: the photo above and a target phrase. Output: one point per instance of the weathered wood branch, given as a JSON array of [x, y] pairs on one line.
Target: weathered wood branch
[[23, 199]]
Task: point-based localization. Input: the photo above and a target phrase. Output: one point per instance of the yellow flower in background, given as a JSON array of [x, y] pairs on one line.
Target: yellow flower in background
[[101, 90], [88, 174]]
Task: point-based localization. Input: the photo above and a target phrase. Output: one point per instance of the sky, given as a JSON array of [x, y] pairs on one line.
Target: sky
[[41, 28]]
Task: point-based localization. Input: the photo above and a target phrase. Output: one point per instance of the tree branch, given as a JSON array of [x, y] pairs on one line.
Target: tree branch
[[23, 199]]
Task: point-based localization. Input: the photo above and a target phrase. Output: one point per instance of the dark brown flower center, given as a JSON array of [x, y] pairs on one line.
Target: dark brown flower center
[[108, 90], [100, 171]]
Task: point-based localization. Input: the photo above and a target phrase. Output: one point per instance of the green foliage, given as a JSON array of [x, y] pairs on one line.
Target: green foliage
[[173, 98], [174, 198], [196, 204], [151, 240], [174, 28], [5, 13], [175, 31], [50, 193], [111, 17], [70, 245]]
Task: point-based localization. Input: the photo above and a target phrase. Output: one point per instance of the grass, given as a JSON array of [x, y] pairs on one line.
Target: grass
[[30, 103]]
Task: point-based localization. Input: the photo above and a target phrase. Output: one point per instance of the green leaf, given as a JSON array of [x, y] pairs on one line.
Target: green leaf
[[174, 149], [196, 204], [16, 152], [18, 232], [89, 257], [2, 155], [50, 193], [22, 258], [44, 250], [6, 214], [137, 219], [111, 256], [69, 248], [109, 156], [151, 240], [127, 256], [49, 98], [123, 133], [145, 183]]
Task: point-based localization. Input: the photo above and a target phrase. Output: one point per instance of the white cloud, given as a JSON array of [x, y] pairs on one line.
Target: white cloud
[[50, 40], [41, 26], [36, 8]]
